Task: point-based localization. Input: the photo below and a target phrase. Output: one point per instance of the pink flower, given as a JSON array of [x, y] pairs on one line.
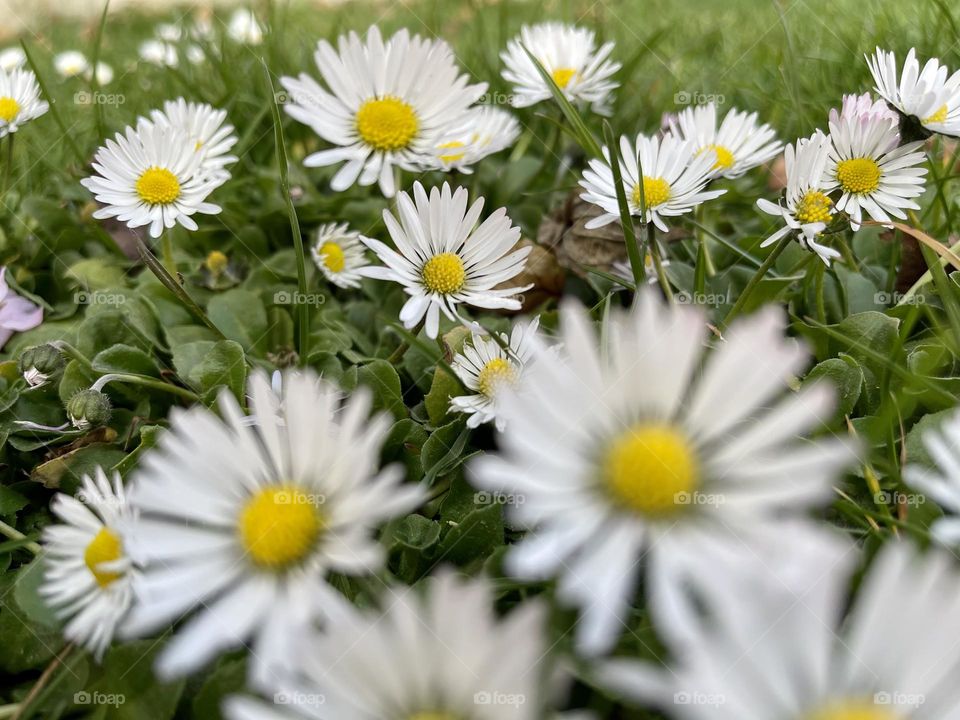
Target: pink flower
[[16, 313]]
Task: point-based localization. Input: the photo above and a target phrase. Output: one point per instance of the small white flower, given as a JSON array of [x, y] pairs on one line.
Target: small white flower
[[88, 575], [339, 254], [195, 55], [674, 179], [157, 52], [487, 130], [206, 126], [486, 367], [244, 28], [925, 94], [104, 74], [942, 483], [71, 63], [12, 57], [570, 55], [19, 100], [169, 32], [443, 258]]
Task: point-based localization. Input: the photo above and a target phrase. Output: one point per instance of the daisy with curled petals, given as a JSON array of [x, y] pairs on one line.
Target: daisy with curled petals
[[570, 55], [773, 653], [386, 105], [88, 575], [206, 126], [339, 255], [243, 521], [152, 175], [633, 452], [740, 143], [872, 177], [926, 96], [417, 660], [942, 481], [673, 182], [19, 100], [486, 367], [488, 130], [865, 107], [806, 208], [444, 259]]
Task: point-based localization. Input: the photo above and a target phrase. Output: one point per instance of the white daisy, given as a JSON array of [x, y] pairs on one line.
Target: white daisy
[[88, 575], [12, 57], [871, 176], [71, 63], [674, 179], [244, 27], [774, 653], [104, 74], [927, 94], [570, 55], [206, 126], [243, 522], [740, 143], [443, 260], [339, 254], [419, 660], [20, 100], [942, 482], [169, 32], [158, 52], [865, 107], [487, 130], [631, 451], [806, 208], [151, 175], [486, 367], [388, 105]]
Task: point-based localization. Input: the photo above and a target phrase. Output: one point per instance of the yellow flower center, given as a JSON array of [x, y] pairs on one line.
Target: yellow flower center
[[495, 373], [563, 76], [216, 262], [8, 108], [814, 207], [724, 156], [279, 526], [855, 710], [651, 469], [332, 255], [940, 116], [105, 547], [451, 157], [656, 191], [158, 186], [444, 273], [387, 123], [858, 175]]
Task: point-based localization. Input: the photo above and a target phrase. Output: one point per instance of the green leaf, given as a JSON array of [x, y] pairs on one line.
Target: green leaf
[[241, 317], [846, 375], [381, 377], [125, 359], [65, 471], [27, 594], [227, 678], [26, 645], [480, 533], [223, 365], [443, 450], [414, 532], [127, 677], [443, 387]]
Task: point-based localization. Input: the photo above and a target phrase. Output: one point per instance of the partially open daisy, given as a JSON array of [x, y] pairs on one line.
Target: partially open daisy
[[88, 574], [487, 130], [243, 521], [19, 100], [673, 181], [388, 105], [740, 143], [570, 54], [925, 96], [152, 175], [443, 258], [418, 659], [487, 367], [339, 254], [806, 208], [207, 127], [864, 107], [633, 449], [942, 481], [871, 177]]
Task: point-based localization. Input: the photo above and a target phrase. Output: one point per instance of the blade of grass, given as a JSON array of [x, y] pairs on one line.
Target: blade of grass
[[626, 220], [44, 90], [94, 80]]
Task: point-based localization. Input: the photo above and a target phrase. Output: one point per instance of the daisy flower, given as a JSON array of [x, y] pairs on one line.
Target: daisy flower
[[773, 653], [339, 255], [87, 573], [486, 367], [417, 659], [632, 450], [864, 107], [243, 521], [871, 176], [151, 175], [487, 130], [12, 57], [443, 260], [942, 482], [806, 209], [104, 74], [673, 182], [158, 52], [570, 55], [71, 63], [19, 100], [388, 105], [206, 126], [740, 143], [926, 95], [244, 28]]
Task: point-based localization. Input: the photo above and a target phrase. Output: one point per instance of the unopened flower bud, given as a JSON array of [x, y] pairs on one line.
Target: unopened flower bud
[[40, 363], [88, 409]]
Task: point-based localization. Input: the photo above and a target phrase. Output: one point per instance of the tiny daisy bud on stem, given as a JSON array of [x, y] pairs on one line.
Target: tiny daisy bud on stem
[[89, 409], [40, 363]]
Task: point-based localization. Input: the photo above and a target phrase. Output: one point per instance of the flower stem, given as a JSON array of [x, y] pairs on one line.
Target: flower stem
[[755, 280], [166, 245], [654, 250], [146, 382], [14, 534]]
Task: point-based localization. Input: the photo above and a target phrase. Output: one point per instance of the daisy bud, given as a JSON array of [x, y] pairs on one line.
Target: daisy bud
[[88, 409], [38, 364], [216, 262]]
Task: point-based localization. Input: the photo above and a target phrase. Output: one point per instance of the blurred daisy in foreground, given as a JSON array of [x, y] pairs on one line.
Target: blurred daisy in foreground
[[207, 127], [941, 482], [487, 130], [673, 183], [87, 573], [244, 27], [12, 57], [243, 522], [872, 177], [158, 52], [71, 63], [339, 254], [740, 143], [19, 100], [486, 367], [443, 258], [417, 660], [927, 95], [570, 55], [806, 208], [151, 175], [634, 448], [773, 653], [388, 106]]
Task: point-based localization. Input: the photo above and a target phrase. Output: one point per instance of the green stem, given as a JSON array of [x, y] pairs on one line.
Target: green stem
[[397, 355], [8, 165], [147, 382], [709, 266], [166, 245], [14, 534], [754, 281], [654, 250]]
